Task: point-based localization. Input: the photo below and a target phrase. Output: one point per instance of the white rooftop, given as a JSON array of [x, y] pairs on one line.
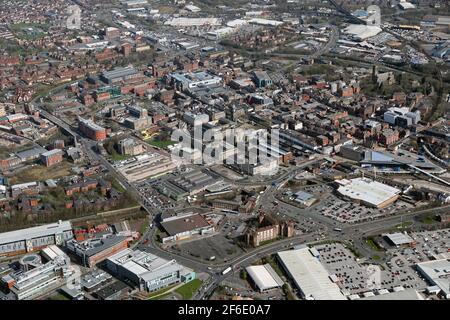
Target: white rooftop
[[438, 273], [399, 238], [366, 190], [361, 31], [186, 22], [35, 232], [264, 277], [409, 294], [310, 275]]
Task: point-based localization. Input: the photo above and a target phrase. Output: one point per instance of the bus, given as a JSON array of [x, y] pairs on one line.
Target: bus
[[337, 229], [226, 270]]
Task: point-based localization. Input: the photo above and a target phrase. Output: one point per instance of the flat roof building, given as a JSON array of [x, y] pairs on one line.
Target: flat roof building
[[399, 239], [309, 275], [437, 272], [36, 238], [93, 251], [264, 277], [147, 271], [185, 226], [119, 74], [195, 80], [146, 165], [192, 22], [368, 192], [28, 284], [304, 198]]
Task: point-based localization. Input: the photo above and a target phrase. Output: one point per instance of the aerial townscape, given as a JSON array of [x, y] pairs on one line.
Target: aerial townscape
[[229, 150]]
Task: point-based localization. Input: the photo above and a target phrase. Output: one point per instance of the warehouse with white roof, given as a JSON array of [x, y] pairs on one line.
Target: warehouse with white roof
[[264, 277], [437, 272], [309, 275], [368, 192], [399, 239]]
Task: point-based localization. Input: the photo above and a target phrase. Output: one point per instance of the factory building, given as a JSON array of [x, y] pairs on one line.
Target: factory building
[[147, 271], [91, 130], [33, 239]]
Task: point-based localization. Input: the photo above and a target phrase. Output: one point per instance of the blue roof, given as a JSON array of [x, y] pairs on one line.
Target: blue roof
[[303, 196], [380, 157]]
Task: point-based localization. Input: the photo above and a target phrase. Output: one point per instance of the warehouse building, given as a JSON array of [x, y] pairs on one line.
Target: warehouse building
[[399, 239], [36, 238], [185, 226], [437, 272], [147, 271], [369, 192], [309, 275], [361, 32], [264, 277], [190, 183]]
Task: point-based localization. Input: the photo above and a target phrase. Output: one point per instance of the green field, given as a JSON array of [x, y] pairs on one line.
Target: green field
[[373, 244], [160, 144], [428, 219], [161, 293], [189, 289]]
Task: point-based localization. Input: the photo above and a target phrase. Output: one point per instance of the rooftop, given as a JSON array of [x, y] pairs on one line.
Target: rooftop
[[310, 275], [184, 224], [264, 276], [367, 190], [399, 238], [35, 232]]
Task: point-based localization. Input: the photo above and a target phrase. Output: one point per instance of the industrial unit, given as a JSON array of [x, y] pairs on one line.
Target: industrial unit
[[309, 275]]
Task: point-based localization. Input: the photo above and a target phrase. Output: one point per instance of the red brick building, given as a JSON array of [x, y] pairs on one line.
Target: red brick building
[[52, 157], [92, 130]]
